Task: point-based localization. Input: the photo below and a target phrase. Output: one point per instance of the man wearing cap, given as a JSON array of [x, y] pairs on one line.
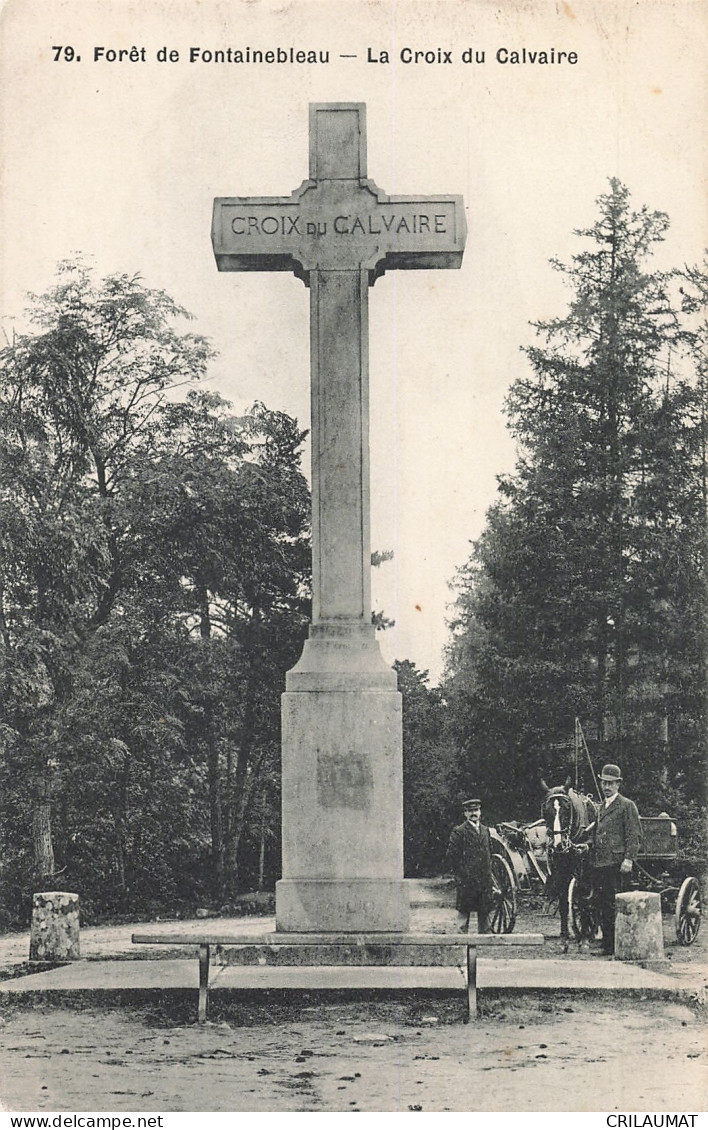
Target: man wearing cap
[[469, 858], [616, 838]]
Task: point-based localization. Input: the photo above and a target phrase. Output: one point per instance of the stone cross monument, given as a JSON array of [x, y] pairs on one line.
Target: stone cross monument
[[341, 713]]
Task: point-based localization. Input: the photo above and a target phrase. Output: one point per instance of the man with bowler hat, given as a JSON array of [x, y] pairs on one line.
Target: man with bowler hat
[[616, 839], [469, 858]]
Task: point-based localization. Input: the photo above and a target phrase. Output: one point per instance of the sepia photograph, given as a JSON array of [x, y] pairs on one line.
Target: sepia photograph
[[353, 544]]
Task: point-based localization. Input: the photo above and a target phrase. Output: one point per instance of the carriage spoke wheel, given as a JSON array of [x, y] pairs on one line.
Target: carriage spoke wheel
[[503, 914], [582, 913], [688, 911]]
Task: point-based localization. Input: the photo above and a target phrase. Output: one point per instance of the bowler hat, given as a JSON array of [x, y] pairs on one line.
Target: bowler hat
[[611, 773], [472, 802]]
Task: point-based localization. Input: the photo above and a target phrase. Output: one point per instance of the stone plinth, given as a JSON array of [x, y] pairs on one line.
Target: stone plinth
[[54, 934], [639, 934], [342, 793]]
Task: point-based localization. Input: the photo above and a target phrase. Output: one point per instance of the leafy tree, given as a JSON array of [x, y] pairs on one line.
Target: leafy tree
[[430, 771], [154, 583], [583, 595], [224, 524], [77, 402]]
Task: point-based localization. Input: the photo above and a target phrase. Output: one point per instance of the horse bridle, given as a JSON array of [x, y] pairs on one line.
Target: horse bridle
[[561, 838]]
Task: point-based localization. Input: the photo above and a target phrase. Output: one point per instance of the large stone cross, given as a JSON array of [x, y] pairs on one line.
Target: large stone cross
[[342, 781], [339, 233]]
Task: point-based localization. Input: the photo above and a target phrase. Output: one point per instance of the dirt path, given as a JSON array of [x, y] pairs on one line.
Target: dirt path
[[367, 1057], [534, 917], [525, 1054]]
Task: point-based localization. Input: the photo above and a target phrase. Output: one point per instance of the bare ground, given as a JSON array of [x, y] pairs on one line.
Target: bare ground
[[372, 1056], [308, 1053]]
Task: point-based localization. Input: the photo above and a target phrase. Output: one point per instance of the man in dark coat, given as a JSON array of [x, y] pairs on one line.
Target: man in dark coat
[[469, 858], [616, 839]]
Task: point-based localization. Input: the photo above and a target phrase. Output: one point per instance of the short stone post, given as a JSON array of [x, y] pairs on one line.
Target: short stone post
[[639, 935], [54, 935]]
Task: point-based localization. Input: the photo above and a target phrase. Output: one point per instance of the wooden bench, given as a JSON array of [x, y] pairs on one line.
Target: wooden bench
[[269, 942]]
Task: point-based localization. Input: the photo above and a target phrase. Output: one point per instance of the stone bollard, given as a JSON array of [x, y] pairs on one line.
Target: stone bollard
[[54, 935], [639, 935]]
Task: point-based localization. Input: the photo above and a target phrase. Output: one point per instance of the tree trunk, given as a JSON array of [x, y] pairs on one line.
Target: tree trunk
[[120, 818], [240, 800], [261, 853], [120, 858], [601, 676], [216, 808], [42, 833], [216, 822], [237, 821], [242, 777]]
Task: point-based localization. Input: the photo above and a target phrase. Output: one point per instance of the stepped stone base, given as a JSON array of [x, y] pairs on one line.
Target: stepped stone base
[[339, 905], [342, 790]]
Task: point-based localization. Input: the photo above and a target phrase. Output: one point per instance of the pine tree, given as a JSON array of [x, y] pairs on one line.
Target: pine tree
[[581, 597]]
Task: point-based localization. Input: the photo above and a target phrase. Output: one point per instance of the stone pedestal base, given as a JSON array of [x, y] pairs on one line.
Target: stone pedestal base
[[341, 905], [54, 934], [342, 788], [639, 935]]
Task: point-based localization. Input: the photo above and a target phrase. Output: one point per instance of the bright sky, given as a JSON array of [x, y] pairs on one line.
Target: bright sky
[[121, 161]]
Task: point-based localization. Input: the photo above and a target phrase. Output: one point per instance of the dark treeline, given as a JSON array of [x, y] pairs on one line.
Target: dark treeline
[[155, 588], [585, 596]]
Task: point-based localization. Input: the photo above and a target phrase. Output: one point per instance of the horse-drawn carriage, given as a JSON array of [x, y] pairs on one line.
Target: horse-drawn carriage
[[549, 856], [660, 869], [519, 864]]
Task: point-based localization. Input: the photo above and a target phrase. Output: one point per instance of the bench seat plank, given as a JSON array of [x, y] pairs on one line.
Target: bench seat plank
[[276, 939]]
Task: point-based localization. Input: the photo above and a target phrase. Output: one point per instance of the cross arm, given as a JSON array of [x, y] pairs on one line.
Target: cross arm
[[259, 233], [417, 233], [335, 226]]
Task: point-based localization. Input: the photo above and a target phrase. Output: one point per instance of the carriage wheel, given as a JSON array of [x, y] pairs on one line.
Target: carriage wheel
[[502, 917], [688, 911], [582, 912]]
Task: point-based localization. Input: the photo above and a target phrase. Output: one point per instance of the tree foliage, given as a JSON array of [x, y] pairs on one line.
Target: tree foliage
[[430, 773], [584, 596], [153, 591]]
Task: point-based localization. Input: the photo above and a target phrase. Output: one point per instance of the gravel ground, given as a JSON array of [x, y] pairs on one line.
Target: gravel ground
[[307, 1054], [522, 1056]]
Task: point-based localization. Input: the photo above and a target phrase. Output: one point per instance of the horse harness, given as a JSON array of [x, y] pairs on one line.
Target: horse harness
[[566, 815]]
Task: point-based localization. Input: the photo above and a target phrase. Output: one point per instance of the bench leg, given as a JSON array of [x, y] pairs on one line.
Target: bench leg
[[203, 982], [471, 984]]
